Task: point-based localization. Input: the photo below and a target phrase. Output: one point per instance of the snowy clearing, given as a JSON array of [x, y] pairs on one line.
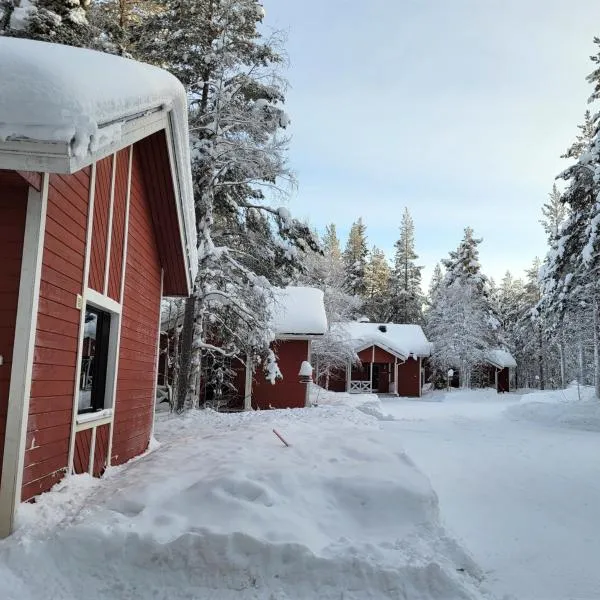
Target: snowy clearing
[[518, 480], [223, 510]]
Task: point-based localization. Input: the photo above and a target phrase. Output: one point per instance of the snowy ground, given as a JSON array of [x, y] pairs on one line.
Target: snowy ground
[[518, 479], [223, 510]]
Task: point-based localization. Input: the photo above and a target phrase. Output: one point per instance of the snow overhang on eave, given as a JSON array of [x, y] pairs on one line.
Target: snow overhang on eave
[[298, 336], [47, 156]]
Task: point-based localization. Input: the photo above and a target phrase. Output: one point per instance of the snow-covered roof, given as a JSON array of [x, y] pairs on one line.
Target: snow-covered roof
[[403, 340], [80, 105], [299, 311], [501, 358]]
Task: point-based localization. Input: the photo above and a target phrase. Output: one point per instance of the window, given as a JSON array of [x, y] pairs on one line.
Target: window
[[94, 360]]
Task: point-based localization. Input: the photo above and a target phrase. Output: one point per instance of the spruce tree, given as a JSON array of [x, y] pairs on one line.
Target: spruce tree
[[355, 259], [406, 296]]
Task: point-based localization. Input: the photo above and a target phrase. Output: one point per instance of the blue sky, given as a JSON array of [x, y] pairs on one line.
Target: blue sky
[[457, 109]]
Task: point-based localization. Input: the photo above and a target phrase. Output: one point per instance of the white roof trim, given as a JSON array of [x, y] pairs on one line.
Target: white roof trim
[[383, 347]]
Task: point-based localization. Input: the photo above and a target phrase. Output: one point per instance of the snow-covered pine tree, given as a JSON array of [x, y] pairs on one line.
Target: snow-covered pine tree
[[377, 284], [59, 21], [461, 323], [406, 296], [331, 242], [325, 271], [237, 124], [355, 259], [569, 274], [554, 214], [437, 280]]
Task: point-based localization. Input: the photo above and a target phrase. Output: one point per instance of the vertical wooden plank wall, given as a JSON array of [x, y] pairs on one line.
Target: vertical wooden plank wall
[[134, 410], [55, 355]]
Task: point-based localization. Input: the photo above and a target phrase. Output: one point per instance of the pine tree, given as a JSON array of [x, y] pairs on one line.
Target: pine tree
[[461, 322], [58, 21], [355, 259], [377, 282], [237, 124], [437, 280], [406, 296], [554, 212], [331, 242]]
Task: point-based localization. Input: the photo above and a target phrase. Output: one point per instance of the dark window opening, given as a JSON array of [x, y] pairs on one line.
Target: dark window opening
[[94, 360]]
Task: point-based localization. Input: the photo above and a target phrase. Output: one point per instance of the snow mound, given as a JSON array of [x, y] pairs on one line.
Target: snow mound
[[223, 510], [370, 404], [570, 408]]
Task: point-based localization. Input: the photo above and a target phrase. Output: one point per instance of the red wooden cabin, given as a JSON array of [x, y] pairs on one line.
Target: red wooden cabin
[[500, 366], [391, 357], [95, 225]]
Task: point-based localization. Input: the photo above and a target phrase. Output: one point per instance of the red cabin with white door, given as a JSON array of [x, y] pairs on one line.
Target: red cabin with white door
[[96, 223]]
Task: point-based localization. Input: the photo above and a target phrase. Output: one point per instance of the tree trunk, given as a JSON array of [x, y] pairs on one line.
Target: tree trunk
[[581, 363], [541, 359], [185, 356], [596, 351], [563, 366]]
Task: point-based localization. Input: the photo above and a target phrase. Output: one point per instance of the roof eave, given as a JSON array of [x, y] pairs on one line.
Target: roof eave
[[45, 156]]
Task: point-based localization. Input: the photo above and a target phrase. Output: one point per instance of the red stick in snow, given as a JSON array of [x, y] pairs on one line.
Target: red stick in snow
[[280, 437]]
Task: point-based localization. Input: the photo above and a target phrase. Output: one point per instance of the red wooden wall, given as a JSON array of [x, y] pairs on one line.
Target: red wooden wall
[[55, 355], [409, 374], [13, 207], [139, 330], [100, 231], [288, 392], [118, 225], [81, 455]]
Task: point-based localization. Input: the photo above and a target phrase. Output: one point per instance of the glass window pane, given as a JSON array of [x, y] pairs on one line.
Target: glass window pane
[[86, 379]]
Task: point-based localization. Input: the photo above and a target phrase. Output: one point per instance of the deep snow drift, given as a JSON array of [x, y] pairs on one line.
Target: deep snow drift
[[223, 510], [518, 477]]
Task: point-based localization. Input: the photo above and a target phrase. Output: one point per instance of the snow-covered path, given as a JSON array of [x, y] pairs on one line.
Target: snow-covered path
[[517, 485]]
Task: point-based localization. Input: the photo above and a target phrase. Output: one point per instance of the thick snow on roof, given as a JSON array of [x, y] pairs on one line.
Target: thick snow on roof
[[404, 340], [56, 93], [501, 358], [299, 311]]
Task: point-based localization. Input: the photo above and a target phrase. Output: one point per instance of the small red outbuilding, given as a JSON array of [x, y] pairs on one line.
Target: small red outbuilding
[[96, 223], [298, 318]]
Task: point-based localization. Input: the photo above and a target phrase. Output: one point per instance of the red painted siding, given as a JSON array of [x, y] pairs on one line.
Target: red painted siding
[[55, 354], [13, 207], [100, 226], [101, 450], [288, 392], [81, 456], [134, 408], [153, 153], [409, 374], [118, 225]]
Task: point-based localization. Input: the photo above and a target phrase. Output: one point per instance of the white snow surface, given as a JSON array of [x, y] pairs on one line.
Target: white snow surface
[[501, 358], [223, 510], [518, 480], [57, 93], [404, 340], [298, 311]]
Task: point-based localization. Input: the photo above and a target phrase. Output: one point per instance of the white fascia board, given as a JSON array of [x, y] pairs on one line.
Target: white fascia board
[[181, 220], [56, 157], [383, 347]]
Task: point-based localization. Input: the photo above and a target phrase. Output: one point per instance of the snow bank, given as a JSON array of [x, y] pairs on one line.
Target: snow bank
[[404, 340], [299, 311], [570, 408], [223, 510]]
